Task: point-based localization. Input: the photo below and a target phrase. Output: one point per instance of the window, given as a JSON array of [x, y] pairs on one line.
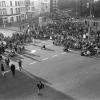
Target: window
[[10, 3], [11, 9], [11, 19], [32, 8], [17, 18], [0, 4], [18, 3], [15, 3], [0, 11], [16, 11], [3, 4], [4, 11]]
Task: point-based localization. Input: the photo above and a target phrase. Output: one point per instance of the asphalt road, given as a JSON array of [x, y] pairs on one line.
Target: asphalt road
[[74, 76], [69, 73]]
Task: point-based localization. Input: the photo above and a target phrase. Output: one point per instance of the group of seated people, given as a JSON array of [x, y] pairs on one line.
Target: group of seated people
[[66, 33]]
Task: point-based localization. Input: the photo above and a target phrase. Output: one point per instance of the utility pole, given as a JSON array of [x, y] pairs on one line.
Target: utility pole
[[76, 8], [81, 7], [90, 16]]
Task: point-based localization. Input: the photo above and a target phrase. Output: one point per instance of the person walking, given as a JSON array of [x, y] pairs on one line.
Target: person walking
[[2, 70], [7, 61], [13, 69], [20, 64], [40, 86]]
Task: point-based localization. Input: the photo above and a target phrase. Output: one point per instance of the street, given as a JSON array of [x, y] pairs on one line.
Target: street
[[74, 76], [49, 50], [71, 74]]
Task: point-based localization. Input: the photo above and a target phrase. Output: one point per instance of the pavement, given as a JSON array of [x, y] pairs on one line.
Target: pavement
[[69, 73], [68, 76], [22, 86]]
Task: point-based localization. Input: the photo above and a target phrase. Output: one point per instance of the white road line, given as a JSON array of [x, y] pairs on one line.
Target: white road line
[[32, 63], [70, 50], [54, 56], [7, 71], [10, 70], [63, 53], [45, 58], [33, 51]]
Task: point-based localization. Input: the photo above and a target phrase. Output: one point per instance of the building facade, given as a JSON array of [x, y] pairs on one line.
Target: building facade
[[41, 6], [53, 5], [20, 10], [12, 10], [15, 10], [45, 6]]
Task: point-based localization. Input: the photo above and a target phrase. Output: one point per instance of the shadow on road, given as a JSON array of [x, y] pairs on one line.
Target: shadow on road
[[28, 56], [49, 49], [35, 77]]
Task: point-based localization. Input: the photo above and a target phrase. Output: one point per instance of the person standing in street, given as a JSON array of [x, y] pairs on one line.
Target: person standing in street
[[13, 69], [20, 64], [2, 70], [7, 61], [40, 86]]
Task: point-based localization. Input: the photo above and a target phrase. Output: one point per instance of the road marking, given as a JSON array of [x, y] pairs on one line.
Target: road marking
[[33, 51], [63, 53], [7, 71], [32, 63], [45, 58], [10, 70], [54, 56]]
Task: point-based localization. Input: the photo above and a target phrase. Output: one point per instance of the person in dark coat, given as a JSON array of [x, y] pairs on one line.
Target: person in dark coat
[[7, 61], [2, 69], [13, 69], [40, 86]]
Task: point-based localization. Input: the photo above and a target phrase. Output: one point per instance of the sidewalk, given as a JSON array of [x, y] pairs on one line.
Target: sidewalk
[[23, 87]]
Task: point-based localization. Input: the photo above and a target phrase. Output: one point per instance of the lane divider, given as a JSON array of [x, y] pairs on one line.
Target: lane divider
[[54, 56], [63, 53], [48, 58], [17, 68], [45, 58], [32, 63]]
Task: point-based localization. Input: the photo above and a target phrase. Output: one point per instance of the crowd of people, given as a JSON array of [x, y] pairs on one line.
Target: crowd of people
[[67, 33], [72, 35]]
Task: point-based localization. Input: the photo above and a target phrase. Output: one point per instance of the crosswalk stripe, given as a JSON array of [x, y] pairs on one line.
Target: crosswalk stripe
[[45, 58], [54, 56], [32, 63]]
